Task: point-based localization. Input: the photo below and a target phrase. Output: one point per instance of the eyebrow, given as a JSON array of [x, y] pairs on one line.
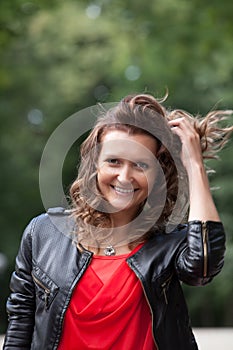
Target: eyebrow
[[114, 156]]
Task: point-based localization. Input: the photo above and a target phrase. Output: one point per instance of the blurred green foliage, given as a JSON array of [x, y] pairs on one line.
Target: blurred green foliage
[[59, 57]]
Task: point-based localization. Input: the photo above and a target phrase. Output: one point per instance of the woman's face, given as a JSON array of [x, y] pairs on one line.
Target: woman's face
[[126, 170]]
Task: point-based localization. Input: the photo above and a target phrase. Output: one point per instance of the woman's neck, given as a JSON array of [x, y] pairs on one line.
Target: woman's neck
[[122, 218]]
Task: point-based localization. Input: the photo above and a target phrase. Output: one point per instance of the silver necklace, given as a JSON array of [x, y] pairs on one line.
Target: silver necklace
[[109, 251]]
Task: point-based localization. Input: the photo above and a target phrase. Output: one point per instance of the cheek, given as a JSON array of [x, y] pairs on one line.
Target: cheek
[[104, 176], [150, 179]]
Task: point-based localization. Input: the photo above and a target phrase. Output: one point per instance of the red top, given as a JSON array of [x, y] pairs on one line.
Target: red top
[[108, 309]]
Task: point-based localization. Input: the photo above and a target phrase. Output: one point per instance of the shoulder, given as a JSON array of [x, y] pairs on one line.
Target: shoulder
[[51, 223], [179, 233], [163, 244]]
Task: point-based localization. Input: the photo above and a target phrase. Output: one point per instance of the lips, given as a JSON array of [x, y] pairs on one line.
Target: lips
[[123, 190]]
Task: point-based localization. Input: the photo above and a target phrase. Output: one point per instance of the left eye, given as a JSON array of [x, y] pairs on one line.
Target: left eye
[[142, 165]]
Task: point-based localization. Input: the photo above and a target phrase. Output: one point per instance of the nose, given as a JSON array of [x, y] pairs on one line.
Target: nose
[[125, 175]]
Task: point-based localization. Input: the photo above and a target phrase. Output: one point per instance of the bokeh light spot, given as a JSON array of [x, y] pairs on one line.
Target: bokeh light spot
[[132, 72]]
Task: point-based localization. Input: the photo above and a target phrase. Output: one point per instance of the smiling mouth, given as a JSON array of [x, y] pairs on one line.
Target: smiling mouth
[[123, 190]]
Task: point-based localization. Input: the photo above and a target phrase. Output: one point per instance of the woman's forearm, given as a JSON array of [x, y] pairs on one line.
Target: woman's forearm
[[202, 206]]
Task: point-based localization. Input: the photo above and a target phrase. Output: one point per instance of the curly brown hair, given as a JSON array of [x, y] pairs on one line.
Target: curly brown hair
[[143, 114]]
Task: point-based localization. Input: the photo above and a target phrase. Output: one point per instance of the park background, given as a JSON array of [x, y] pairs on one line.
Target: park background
[[58, 57]]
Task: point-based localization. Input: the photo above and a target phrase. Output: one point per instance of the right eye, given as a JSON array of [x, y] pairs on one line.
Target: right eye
[[113, 161]]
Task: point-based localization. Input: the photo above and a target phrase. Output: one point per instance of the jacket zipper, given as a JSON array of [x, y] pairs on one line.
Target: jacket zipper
[[205, 248], [46, 290], [164, 285], [151, 311], [69, 298], [147, 300]]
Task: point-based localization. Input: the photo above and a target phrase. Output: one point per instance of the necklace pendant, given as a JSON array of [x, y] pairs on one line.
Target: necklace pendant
[[109, 251]]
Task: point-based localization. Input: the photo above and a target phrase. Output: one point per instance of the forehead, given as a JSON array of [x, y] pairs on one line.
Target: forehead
[[130, 146]]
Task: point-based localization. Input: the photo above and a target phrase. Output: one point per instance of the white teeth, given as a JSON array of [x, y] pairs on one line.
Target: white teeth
[[122, 190]]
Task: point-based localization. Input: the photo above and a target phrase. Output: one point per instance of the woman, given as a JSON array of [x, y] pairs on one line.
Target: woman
[[116, 284]]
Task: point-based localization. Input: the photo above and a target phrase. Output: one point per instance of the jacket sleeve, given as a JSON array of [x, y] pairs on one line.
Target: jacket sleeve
[[21, 302], [202, 256]]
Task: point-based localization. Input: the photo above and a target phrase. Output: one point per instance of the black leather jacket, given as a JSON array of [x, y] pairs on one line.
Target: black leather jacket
[[49, 265]]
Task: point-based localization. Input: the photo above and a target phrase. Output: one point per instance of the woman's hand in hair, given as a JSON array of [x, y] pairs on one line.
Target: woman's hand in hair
[[199, 190], [191, 147]]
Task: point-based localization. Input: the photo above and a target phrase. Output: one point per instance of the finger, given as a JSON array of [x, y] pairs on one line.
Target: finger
[[182, 123], [186, 132]]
